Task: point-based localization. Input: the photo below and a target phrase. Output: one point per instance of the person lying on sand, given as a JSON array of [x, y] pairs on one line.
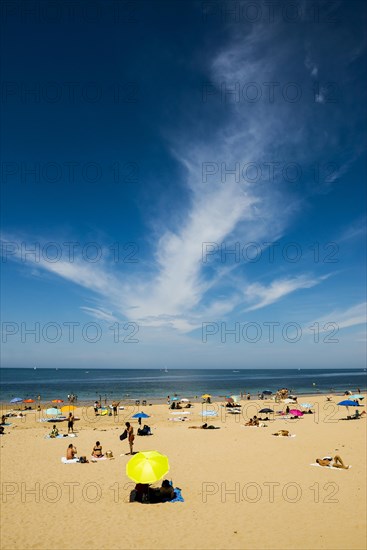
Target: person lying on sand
[[284, 433], [204, 427], [71, 452], [97, 450], [253, 422], [328, 461]]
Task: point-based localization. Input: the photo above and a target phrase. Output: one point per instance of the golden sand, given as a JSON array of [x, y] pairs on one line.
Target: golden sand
[[243, 487]]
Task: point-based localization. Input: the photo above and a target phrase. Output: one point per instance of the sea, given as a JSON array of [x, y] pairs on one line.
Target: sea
[[126, 384]]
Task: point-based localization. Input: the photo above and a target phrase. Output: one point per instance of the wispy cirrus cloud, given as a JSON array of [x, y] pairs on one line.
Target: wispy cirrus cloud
[[181, 290], [350, 317], [266, 295]]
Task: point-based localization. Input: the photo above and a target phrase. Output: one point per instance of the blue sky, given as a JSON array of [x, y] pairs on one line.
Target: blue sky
[[140, 148]]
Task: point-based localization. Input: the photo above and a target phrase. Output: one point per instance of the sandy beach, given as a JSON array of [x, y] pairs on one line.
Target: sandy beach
[[242, 487]]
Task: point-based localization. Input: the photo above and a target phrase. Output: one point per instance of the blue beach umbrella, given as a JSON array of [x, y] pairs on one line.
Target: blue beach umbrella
[[348, 403], [266, 410], [16, 400], [141, 415]]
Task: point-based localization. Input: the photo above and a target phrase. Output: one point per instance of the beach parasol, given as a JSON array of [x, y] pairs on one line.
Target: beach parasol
[[174, 398], [147, 467], [307, 405], [141, 415], [357, 396], [28, 401], [267, 392], [263, 411], [236, 398], [296, 412], [288, 400], [348, 403], [68, 408], [57, 401], [16, 400], [205, 396], [184, 400], [229, 399], [53, 412]]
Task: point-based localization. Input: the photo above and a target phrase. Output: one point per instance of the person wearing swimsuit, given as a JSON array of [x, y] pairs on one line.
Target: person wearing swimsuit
[[97, 450], [130, 435], [71, 423]]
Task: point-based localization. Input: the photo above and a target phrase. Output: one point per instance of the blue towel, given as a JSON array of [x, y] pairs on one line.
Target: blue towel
[[179, 497]]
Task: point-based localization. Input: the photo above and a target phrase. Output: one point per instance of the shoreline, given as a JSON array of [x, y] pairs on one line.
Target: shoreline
[[215, 399]]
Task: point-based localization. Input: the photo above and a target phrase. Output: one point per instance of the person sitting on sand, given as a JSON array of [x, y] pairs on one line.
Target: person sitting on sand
[[284, 433], [328, 461], [97, 450], [250, 423], [54, 432], [163, 493], [71, 452]]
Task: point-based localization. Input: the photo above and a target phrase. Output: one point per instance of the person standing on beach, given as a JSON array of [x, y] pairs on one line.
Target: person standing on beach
[[130, 436], [71, 423], [115, 404]]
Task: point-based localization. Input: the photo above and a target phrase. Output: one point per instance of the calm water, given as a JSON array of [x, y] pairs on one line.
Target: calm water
[[148, 383]]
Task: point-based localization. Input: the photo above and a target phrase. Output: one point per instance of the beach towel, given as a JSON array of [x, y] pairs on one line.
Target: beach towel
[[60, 436], [181, 412], [6, 424], [328, 467], [98, 458], [64, 460], [179, 497]]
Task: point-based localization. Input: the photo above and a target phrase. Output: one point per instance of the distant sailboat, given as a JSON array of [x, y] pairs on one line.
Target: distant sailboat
[[166, 370], [34, 368]]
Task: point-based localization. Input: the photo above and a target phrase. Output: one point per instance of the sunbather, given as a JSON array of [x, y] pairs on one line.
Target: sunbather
[[54, 432], [204, 427], [97, 450], [163, 493], [71, 452], [284, 433], [328, 461]]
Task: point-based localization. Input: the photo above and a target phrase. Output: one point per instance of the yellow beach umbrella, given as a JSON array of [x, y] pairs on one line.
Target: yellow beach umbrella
[[205, 396], [147, 467], [68, 408]]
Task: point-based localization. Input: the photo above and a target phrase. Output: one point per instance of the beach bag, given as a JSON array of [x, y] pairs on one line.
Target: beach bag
[[109, 454], [123, 435]]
